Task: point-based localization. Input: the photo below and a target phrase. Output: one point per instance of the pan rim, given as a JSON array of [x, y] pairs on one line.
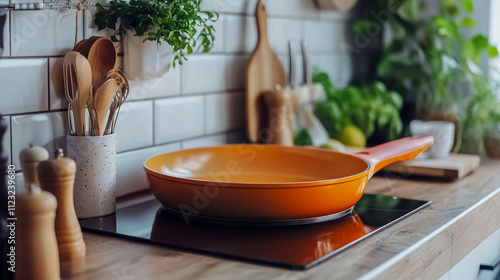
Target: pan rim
[[257, 185]]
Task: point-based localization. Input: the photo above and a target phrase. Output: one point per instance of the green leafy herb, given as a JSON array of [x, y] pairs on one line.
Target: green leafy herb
[[302, 138], [371, 108], [180, 23]]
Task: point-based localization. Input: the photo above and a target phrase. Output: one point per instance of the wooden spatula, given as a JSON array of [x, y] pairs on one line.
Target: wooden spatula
[[101, 104], [264, 72]]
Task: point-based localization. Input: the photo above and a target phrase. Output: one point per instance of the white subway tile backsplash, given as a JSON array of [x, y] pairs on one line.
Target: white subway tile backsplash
[[208, 141], [324, 36], [224, 112], [337, 66], [6, 35], [130, 174], [48, 130], [219, 35], [134, 128], [204, 73], [24, 85], [167, 85], [291, 8], [178, 118], [43, 32], [57, 97], [283, 31], [230, 6], [236, 74], [241, 34], [6, 138], [335, 15]]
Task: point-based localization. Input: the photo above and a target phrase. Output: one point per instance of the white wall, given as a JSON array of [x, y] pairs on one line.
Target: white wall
[[199, 104]]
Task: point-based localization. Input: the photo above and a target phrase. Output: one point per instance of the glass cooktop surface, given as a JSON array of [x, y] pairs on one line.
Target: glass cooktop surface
[[296, 247]]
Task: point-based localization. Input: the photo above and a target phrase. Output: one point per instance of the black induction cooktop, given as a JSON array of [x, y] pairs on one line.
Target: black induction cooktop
[[296, 247]]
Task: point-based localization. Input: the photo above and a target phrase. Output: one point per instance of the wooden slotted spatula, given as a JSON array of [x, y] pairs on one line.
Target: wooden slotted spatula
[[264, 72], [101, 104]]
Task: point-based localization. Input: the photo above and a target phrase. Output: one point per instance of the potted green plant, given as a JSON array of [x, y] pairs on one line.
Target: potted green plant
[[432, 64], [144, 25]]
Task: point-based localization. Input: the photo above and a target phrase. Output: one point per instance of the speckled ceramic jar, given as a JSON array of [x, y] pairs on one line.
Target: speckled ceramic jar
[[95, 179]]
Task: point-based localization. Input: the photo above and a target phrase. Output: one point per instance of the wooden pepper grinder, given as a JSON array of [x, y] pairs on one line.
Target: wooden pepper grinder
[[280, 130], [30, 158], [57, 176], [36, 246]]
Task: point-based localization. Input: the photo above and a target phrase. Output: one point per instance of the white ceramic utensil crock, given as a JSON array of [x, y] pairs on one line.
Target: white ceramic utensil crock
[[95, 180]]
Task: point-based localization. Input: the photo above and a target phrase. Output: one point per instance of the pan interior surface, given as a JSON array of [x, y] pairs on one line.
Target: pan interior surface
[[256, 164]]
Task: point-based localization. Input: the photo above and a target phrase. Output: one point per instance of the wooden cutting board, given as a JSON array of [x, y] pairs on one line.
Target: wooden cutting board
[[264, 72], [455, 166]]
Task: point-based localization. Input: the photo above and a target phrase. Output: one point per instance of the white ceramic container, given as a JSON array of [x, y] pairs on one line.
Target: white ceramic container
[[145, 60], [95, 179], [443, 133]]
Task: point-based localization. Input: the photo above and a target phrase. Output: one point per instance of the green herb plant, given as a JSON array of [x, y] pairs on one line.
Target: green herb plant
[[372, 108], [430, 57], [431, 63], [179, 23]]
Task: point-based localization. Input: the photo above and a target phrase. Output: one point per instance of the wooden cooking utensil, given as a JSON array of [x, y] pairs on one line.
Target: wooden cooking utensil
[[102, 58], [78, 47], [264, 72], [101, 104], [101, 54], [77, 85]]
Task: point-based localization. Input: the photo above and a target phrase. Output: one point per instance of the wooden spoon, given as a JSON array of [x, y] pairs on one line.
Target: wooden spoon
[[78, 85], [101, 53], [264, 72], [101, 104], [102, 58]]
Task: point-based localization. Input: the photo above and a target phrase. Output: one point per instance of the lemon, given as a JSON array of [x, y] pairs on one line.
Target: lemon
[[334, 145], [352, 136]]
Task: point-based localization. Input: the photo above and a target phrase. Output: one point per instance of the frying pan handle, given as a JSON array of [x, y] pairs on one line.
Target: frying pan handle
[[399, 150]]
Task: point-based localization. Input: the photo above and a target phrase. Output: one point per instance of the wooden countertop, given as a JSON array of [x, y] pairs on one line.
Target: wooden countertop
[[426, 244]]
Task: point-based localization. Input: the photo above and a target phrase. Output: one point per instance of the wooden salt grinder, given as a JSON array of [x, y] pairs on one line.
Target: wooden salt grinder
[[280, 130], [36, 246], [57, 176], [30, 158]]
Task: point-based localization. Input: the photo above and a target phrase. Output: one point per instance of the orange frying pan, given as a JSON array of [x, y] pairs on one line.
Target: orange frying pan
[[270, 183]]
